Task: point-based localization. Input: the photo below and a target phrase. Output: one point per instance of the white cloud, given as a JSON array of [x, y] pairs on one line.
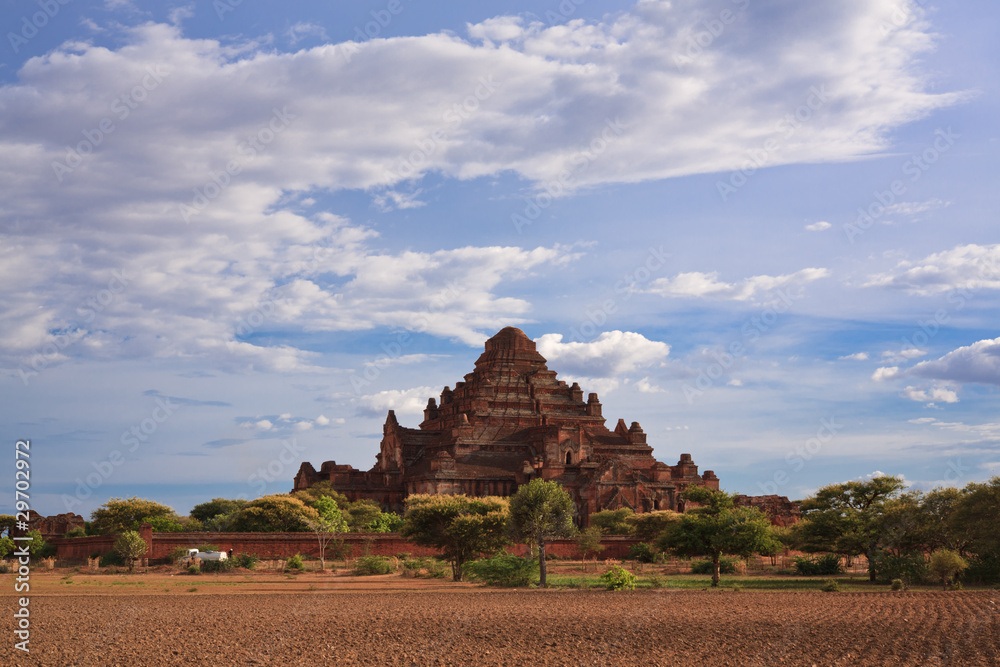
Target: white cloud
[[819, 226], [903, 355], [708, 285], [404, 402], [978, 363], [735, 383], [391, 199], [600, 386], [301, 30], [645, 386], [885, 373], [611, 354], [322, 420], [912, 208], [857, 356], [963, 267], [935, 394], [988, 430]]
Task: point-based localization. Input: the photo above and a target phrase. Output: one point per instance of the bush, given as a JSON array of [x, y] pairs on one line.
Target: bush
[[417, 567], [79, 531], [826, 564], [617, 578], [294, 563], [246, 561], [830, 586], [372, 565], [178, 555], [908, 566], [111, 559], [726, 566], [504, 570], [896, 585], [216, 565], [641, 552], [194, 569], [945, 566], [4, 567]]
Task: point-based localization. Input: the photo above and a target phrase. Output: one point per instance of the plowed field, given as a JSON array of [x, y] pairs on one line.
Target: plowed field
[[484, 627]]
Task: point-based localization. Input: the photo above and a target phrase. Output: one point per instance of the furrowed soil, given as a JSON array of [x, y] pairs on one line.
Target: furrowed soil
[[395, 621]]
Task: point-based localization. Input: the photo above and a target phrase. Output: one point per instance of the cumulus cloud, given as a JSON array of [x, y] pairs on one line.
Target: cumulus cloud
[[819, 226], [611, 354], [404, 402], [963, 267], [645, 386], [885, 373], [977, 363], [931, 396], [903, 355], [708, 285], [857, 356]]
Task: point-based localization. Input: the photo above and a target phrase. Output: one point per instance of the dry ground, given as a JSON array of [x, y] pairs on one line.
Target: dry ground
[[316, 619]]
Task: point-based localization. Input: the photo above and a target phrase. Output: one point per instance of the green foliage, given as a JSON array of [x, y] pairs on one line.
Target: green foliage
[[246, 561], [318, 490], [331, 518], [111, 559], [648, 526], [540, 511], [6, 546], [908, 566], [826, 564], [896, 585], [79, 531], [641, 552], [193, 569], [726, 566], [945, 566], [278, 513], [617, 578], [294, 563], [130, 545], [178, 554], [462, 527], [38, 547], [215, 508], [613, 522], [983, 569], [589, 541], [361, 514], [372, 565], [504, 570], [216, 565], [386, 522], [423, 567], [830, 586], [7, 523], [121, 514]]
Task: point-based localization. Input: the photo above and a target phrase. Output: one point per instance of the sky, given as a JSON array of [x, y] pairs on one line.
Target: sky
[[233, 234]]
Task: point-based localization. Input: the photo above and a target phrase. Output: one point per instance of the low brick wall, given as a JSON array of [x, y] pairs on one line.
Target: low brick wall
[[283, 545]]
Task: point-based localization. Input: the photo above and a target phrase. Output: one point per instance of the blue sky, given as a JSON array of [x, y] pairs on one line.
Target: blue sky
[[232, 235]]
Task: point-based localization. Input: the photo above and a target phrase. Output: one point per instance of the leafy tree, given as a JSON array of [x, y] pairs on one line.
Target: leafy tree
[[130, 545], [850, 518], [539, 511], [718, 528], [462, 527], [318, 490], [975, 516], [647, 526], [6, 546], [945, 565], [7, 523], [327, 525], [121, 514], [361, 514], [278, 513], [387, 522], [612, 522], [589, 541], [216, 507], [37, 547]]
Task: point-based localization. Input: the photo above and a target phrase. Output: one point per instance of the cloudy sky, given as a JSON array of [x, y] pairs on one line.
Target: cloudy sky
[[234, 234]]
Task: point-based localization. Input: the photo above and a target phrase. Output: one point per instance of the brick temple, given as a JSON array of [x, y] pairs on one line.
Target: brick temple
[[511, 420]]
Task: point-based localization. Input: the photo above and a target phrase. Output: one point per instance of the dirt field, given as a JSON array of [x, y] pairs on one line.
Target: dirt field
[[311, 620]]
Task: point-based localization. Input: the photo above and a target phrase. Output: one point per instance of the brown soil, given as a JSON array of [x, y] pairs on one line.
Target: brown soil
[[277, 620]]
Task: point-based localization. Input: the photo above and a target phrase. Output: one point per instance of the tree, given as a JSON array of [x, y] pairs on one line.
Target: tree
[[130, 545], [329, 523], [849, 518], [462, 527], [589, 541], [6, 546], [539, 511], [718, 528], [278, 513], [945, 564], [647, 526], [7, 522], [612, 522], [318, 490], [121, 514], [387, 522], [216, 507]]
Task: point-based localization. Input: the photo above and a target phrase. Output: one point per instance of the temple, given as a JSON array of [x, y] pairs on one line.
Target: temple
[[511, 420]]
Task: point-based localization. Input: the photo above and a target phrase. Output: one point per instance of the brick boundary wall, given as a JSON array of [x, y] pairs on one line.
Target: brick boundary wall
[[282, 545]]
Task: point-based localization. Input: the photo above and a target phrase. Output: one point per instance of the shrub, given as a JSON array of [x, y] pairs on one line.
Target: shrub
[[178, 555], [372, 565], [617, 578], [4, 567], [945, 566], [896, 585], [216, 565], [79, 531], [246, 561], [423, 567], [294, 563], [504, 570], [111, 559], [641, 552], [826, 564], [194, 569], [656, 581], [830, 586], [726, 566]]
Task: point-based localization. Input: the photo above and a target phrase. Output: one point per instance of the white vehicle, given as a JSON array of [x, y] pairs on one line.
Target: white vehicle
[[194, 555]]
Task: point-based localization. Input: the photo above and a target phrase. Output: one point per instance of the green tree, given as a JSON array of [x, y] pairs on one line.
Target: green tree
[[850, 518], [647, 526], [589, 541], [945, 565], [387, 522], [462, 527], [121, 514], [718, 528], [327, 525], [361, 514], [320, 489], [6, 546], [540, 511], [612, 522], [130, 545], [974, 516], [278, 513], [216, 507]]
